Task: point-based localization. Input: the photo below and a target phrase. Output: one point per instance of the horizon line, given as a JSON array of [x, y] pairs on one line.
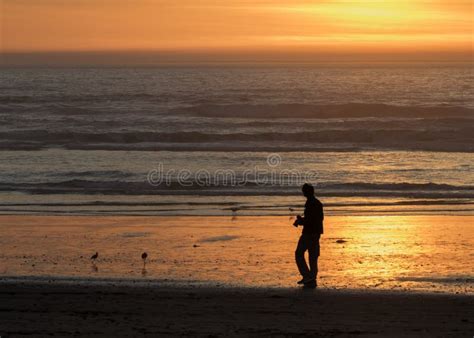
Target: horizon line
[[227, 57]]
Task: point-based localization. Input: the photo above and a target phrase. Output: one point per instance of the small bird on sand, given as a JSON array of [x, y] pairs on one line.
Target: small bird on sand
[[94, 256], [144, 257]]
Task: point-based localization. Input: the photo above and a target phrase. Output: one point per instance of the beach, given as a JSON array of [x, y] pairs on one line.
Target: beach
[[408, 253], [201, 168], [160, 161], [234, 276], [105, 309]]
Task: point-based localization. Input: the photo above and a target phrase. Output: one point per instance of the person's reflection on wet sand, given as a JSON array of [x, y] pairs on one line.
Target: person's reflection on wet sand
[[94, 268]]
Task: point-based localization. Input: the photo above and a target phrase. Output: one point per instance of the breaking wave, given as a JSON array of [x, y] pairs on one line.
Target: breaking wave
[[327, 111], [113, 187], [461, 139]]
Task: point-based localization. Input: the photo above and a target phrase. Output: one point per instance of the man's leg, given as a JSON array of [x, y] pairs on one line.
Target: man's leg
[[299, 257], [313, 254]]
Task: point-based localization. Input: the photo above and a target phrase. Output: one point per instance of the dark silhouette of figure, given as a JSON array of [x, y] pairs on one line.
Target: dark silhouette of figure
[[94, 256], [93, 259], [312, 223], [144, 258]]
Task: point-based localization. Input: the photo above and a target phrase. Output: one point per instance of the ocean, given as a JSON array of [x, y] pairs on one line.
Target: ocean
[[237, 140]]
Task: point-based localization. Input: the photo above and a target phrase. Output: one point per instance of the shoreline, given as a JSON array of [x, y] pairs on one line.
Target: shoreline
[[182, 284], [93, 310], [467, 213]]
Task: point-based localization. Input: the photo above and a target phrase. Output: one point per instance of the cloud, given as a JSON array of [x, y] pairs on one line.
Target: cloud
[[236, 25]]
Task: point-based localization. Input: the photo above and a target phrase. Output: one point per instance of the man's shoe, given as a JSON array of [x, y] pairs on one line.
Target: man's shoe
[[306, 280]]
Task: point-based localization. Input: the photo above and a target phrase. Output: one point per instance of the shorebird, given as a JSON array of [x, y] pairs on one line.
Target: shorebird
[[144, 257], [94, 256]]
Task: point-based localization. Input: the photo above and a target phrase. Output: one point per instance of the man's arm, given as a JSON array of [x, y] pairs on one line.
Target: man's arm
[[321, 211], [298, 221]]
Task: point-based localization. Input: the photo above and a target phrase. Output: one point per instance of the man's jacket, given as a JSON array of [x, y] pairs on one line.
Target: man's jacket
[[313, 217]]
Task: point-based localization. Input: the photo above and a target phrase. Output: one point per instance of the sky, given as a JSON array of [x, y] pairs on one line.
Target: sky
[[240, 29]]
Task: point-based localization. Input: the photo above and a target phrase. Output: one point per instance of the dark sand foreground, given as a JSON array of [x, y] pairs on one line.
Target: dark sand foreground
[[61, 309]]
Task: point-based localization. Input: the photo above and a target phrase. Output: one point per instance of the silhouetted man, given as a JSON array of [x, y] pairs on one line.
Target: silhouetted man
[[312, 223]]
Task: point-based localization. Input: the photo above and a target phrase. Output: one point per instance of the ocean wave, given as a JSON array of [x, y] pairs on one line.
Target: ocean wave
[[118, 187], [110, 174], [86, 98], [397, 186], [323, 136], [297, 110], [239, 206]]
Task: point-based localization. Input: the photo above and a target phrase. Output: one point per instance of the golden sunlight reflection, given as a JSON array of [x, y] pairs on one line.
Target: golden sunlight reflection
[[427, 253]]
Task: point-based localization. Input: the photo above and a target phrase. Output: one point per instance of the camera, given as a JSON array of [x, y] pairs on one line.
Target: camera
[[298, 221]]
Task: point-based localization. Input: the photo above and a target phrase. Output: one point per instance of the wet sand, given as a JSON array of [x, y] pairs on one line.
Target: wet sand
[[216, 276], [60, 309], [404, 253]]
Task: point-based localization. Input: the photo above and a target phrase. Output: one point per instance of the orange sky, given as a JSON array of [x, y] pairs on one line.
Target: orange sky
[[331, 27]]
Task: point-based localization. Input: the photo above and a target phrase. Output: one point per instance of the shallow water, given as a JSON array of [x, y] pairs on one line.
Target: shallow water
[[380, 139], [416, 253], [59, 181]]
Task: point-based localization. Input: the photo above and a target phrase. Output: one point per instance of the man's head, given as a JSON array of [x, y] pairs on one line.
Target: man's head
[[307, 190]]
